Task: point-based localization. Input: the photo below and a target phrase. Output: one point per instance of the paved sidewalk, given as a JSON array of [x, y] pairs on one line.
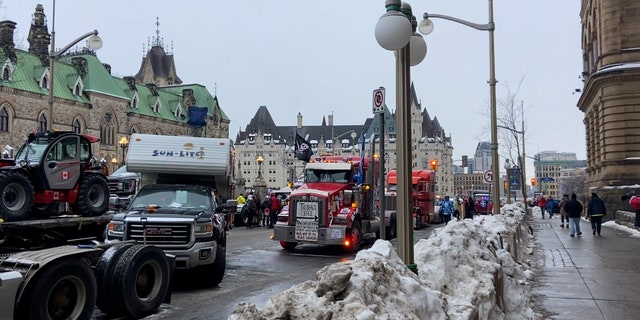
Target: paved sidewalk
[[587, 277]]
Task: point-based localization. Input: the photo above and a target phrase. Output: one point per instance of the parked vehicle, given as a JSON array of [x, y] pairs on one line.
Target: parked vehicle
[[123, 185], [483, 203], [423, 197], [331, 207], [51, 170], [175, 208]]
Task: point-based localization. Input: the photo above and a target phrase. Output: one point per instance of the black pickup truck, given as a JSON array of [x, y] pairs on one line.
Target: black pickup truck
[[123, 185]]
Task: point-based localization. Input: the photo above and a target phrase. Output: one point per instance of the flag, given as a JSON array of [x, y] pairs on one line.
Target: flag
[[361, 165], [303, 148]]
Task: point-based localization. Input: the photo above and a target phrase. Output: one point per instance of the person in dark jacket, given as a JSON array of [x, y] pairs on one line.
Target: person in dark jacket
[[574, 211], [595, 211], [253, 208]]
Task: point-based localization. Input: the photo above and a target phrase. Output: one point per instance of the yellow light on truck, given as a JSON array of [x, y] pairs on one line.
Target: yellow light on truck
[[354, 205]]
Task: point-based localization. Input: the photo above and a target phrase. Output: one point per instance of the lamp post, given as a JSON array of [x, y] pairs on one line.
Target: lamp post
[[114, 162], [425, 27], [124, 143], [396, 32], [94, 43], [507, 166]]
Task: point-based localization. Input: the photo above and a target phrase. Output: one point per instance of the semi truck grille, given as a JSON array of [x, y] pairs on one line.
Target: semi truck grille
[[293, 208], [160, 234]]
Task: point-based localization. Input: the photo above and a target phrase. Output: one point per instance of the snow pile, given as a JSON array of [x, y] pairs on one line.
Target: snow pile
[[462, 272]]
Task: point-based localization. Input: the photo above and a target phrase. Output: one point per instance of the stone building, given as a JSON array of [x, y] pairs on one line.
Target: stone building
[[263, 138], [550, 167], [610, 98], [88, 99]]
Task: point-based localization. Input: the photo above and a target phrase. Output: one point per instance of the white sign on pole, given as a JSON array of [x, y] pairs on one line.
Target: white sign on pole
[[378, 100], [487, 176]]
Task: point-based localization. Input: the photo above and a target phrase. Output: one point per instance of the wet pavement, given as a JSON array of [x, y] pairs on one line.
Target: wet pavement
[[586, 277]]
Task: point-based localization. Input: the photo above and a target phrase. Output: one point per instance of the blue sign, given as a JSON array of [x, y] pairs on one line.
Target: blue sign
[[546, 179]]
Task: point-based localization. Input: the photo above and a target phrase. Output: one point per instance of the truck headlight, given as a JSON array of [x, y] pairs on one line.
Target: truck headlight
[[204, 230], [115, 229]]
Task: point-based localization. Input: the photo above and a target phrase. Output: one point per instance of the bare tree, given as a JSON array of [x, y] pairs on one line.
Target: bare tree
[[574, 183]]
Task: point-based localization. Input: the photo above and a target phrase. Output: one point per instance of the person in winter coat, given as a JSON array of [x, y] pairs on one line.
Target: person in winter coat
[[542, 203], [595, 211], [549, 206], [574, 211], [274, 209], [563, 212], [252, 210], [446, 209], [469, 207]]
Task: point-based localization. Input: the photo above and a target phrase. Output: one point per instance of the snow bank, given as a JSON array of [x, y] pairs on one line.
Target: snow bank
[[463, 273]]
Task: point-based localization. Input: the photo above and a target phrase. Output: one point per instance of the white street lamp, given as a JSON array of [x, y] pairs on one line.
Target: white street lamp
[[94, 42], [425, 27], [393, 32]]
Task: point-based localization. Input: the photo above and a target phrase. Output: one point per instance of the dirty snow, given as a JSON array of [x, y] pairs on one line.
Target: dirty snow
[[463, 270]]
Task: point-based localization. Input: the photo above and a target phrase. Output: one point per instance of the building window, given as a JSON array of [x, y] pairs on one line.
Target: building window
[[42, 123], [4, 120], [134, 102], [76, 90], [77, 126], [45, 82], [6, 73], [156, 107]]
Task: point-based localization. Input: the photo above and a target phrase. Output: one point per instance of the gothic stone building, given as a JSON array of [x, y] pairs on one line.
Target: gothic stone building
[[88, 99], [262, 137], [610, 98]]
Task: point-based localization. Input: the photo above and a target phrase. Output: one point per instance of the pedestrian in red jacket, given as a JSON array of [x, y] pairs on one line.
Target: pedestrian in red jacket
[[542, 203], [274, 209]]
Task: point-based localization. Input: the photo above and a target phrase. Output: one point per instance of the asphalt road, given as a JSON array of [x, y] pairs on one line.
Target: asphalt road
[[257, 268]]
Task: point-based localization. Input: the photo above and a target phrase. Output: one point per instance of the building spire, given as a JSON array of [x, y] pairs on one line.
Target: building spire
[[157, 41]]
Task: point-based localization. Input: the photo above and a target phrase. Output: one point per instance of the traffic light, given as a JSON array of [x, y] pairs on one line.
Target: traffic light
[[434, 164], [533, 181]]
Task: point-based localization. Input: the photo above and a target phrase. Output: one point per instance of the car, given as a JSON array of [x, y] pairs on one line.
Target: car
[[483, 203], [123, 185]]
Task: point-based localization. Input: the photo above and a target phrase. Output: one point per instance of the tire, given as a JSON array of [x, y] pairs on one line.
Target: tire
[[355, 237], [17, 196], [289, 246], [65, 289], [104, 276], [211, 275], [93, 196], [391, 231], [140, 281]]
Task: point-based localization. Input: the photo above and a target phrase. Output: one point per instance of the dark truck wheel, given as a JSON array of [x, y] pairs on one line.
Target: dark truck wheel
[[17, 196], [93, 196], [104, 276], [63, 290], [355, 237], [211, 275], [289, 246], [140, 281]]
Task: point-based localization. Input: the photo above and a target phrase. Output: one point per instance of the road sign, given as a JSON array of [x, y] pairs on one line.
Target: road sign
[[378, 100], [487, 176]]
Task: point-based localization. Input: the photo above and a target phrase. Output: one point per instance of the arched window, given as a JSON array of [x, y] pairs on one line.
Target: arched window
[[45, 82], [76, 90], [6, 73], [77, 126], [134, 102], [4, 120], [42, 123]]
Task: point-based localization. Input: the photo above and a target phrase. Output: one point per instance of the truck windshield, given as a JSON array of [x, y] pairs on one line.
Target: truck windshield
[[31, 152], [317, 175], [163, 198]]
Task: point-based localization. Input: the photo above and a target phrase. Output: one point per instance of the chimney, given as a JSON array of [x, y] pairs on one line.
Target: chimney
[[331, 120], [299, 120], [39, 37], [6, 39]]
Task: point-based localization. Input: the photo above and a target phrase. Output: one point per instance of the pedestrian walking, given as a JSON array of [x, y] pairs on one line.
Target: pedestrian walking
[[574, 211], [274, 209], [252, 210], [595, 211], [551, 203], [446, 209], [469, 208], [542, 203], [563, 212]]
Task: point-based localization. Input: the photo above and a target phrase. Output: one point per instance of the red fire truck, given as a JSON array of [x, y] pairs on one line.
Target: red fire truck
[[423, 184], [334, 206]]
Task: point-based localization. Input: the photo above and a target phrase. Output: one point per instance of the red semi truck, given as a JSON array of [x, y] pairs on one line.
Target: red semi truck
[[423, 183], [331, 207]]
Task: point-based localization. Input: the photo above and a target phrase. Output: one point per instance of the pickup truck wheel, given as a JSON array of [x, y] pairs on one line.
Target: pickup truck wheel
[[104, 276], [390, 232], [211, 275], [140, 281], [93, 196], [289, 246], [64, 290], [355, 237], [17, 196]]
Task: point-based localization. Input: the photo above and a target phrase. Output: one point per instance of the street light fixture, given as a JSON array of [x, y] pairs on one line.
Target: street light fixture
[[393, 32], [260, 160], [425, 27], [124, 143], [114, 162]]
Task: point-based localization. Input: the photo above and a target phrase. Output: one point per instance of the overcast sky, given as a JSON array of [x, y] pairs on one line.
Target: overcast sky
[[321, 57]]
